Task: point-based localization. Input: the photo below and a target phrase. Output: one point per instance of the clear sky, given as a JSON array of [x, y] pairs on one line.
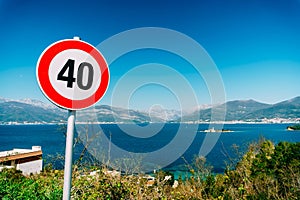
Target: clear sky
[[254, 43]]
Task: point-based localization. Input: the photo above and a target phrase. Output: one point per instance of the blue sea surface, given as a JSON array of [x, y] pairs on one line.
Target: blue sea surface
[[52, 140]]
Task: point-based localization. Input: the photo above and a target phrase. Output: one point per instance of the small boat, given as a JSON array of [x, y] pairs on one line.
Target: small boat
[[213, 130]]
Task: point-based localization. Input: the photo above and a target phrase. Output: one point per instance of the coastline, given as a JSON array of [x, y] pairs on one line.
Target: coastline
[[186, 122]]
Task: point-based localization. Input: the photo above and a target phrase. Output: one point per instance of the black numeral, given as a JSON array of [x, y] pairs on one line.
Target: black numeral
[[70, 78]]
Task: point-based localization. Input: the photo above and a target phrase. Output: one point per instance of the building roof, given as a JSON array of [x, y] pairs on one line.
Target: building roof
[[20, 153]]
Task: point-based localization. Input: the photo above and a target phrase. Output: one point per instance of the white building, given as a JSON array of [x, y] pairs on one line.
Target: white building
[[26, 160]]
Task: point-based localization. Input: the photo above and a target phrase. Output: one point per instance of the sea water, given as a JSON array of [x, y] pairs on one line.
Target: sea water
[[52, 140]]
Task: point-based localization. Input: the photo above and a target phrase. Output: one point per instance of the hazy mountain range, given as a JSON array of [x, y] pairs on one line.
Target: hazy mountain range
[[250, 110], [30, 111], [34, 111]]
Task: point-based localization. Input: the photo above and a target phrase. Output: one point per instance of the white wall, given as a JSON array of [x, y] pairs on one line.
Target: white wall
[[31, 167]]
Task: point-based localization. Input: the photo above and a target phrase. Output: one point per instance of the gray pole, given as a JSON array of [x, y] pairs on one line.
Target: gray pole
[[68, 156], [69, 152]]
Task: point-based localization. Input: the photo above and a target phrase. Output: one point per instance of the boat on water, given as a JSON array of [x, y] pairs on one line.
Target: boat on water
[[213, 130]]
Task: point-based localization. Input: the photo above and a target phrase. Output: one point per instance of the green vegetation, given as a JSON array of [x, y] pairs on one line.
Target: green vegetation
[[13, 185], [294, 128], [266, 171]]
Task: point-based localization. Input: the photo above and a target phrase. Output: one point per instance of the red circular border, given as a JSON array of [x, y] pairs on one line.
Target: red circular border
[[46, 86]]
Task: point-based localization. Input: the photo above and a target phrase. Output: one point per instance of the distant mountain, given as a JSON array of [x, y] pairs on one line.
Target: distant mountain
[[235, 110], [4, 100], [250, 110], [164, 114], [37, 103], [105, 113], [34, 111], [289, 109], [14, 111]]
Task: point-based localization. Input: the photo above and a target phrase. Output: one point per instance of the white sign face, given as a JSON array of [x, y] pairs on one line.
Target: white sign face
[[79, 76], [72, 74]]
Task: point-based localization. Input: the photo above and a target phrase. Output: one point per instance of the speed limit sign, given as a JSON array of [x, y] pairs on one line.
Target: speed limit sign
[[72, 74]]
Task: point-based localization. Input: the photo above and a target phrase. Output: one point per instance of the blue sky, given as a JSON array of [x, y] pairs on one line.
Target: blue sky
[[254, 43]]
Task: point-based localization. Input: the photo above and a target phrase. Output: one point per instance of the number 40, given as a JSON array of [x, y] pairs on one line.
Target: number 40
[[70, 77]]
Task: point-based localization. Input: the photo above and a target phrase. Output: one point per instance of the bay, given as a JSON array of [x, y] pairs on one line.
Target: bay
[[52, 140]]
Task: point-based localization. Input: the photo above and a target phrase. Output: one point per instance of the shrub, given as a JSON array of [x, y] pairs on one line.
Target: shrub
[[266, 171], [13, 185]]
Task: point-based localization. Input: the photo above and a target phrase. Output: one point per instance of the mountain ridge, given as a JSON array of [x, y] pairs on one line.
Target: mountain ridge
[[252, 111], [35, 111]]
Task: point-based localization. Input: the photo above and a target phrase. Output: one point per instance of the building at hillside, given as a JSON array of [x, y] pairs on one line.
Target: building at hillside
[[29, 161]]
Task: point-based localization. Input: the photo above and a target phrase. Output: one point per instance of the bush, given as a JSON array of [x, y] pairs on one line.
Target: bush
[[266, 171], [13, 185]]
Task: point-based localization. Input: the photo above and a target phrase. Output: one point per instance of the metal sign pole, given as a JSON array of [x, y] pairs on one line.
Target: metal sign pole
[[50, 76], [69, 155], [69, 152]]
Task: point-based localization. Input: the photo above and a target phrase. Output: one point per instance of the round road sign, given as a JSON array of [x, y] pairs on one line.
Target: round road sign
[[72, 74]]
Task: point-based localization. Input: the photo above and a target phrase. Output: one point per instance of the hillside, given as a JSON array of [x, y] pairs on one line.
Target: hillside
[[34, 111], [286, 109], [235, 110], [19, 112], [105, 113], [250, 110]]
